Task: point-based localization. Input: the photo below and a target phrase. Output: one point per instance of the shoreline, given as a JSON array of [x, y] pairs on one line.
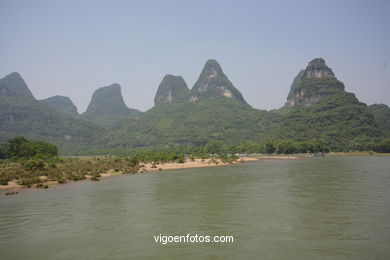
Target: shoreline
[[148, 167], [12, 186]]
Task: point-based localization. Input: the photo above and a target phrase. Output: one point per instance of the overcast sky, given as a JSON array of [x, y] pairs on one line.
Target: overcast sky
[[71, 48]]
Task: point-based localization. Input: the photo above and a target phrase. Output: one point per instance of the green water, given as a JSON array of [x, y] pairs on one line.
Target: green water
[[318, 208]]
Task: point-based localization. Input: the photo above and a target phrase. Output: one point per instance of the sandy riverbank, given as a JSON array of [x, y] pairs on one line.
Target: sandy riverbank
[[281, 157], [197, 163]]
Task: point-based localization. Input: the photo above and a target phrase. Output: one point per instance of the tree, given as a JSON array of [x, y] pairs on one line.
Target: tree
[[214, 147], [17, 147], [269, 146], [20, 147]]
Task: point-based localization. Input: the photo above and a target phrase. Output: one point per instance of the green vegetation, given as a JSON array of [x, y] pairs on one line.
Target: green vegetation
[[193, 124], [61, 103], [381, 113], [172, 89], [212, 83], [15, 84], [21, 148], [35, 120], [382, 147], [318, 87], [107, 107], [340, 120], [35, 163], [319, 116]]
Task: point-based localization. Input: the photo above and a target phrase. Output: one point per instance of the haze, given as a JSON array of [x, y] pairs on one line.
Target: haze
[[71, 48]]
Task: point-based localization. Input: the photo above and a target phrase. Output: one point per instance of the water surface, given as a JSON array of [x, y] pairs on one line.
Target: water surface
[[318, 208]]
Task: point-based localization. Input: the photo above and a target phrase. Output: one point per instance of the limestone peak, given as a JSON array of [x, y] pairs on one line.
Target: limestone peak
[[213, 83]]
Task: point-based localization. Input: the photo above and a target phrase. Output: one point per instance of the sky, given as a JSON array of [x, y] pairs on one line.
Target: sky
[[71, 48]]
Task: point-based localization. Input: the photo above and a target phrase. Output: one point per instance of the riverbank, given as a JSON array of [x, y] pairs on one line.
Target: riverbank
[[357, 153], [196, 163], [143, 168], [113, 170]]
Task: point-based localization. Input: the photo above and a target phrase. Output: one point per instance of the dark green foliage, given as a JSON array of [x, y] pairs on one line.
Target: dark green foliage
[[214, 147], [3, 152], [4, 180], [107, 107], [35, 120], [133, 162], [312, 84], [319, 86], [29, 181], [212, 83], [61, 103], [20, 147], [15, 83], [381, 113], [95, 177], [269, 146], [196, 124], [180, 158], [326, 118], [382, 147], [172, 89], [338, 120], [35, 164]]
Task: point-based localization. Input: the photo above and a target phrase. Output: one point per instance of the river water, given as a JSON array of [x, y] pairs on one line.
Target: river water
[[317, 208]]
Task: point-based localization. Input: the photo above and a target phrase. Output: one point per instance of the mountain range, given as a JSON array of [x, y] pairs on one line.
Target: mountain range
[[317, 107]]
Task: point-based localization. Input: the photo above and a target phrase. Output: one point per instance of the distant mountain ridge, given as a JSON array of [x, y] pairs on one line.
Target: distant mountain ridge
[[6, 91], [313, 84], [107, 106], [171, 89], [213, 110], [36, 120], [61, 103], [212, 83], [17, 85], [318, 108]]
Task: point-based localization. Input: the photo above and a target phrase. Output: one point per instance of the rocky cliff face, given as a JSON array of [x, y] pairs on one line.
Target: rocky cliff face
[[171, 89], [61, 103], [213, 83], [15, 83], [313, 84], [317, 68]]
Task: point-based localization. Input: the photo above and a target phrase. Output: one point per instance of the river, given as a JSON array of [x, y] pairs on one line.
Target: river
[[316, 208]]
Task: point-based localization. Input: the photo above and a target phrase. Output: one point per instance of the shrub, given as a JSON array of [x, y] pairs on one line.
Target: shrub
[[95, 178], [19, 147], [34, 164], [4, 180], [28, 181]]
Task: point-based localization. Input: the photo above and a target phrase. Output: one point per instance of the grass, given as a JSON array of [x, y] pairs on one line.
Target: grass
[[62, 170]]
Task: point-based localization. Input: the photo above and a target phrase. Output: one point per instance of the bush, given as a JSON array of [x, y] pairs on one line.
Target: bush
[[28, 181], [4, 180], [34, 164], [19, 147], [95, 178], [180, 158]]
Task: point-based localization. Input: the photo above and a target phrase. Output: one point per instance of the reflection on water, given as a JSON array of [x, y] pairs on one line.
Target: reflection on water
[[319, 208]]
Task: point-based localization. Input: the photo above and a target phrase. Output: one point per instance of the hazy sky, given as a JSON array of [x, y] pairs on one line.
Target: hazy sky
[[71, 48]]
